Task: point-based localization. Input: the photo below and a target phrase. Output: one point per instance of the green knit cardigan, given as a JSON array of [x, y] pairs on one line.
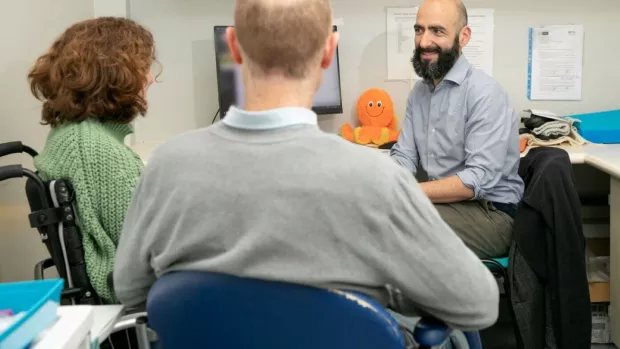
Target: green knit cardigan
[[104, 172]]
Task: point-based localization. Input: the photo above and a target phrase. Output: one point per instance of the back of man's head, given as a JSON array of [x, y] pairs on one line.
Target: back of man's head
[[282, 37]]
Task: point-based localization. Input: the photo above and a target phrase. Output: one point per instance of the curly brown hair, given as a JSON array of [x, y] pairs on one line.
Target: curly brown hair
[[98, 69]]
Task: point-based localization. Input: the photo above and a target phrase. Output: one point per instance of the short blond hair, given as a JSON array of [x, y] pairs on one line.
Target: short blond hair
[[282, 37]]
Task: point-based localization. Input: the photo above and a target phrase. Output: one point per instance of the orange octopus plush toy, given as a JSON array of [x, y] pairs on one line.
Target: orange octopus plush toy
[[379, 125]]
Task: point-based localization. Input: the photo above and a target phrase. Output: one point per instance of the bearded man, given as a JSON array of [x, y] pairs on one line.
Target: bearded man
[[460, 135]]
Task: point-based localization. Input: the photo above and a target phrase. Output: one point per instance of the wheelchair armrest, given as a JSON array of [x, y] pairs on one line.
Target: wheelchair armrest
[[139, 321], [70, 293], [67, 293], [430, 332], [40, 267], [128, 321]]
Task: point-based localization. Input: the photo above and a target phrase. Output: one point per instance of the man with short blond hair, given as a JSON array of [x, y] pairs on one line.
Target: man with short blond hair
[[280, 40], [265, 194]]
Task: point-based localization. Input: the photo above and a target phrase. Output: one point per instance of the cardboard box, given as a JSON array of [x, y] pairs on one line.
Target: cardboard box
[[598, 269], [599, 292]]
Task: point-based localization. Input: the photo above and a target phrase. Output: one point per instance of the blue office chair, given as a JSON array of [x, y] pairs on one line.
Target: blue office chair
[[211, 310]]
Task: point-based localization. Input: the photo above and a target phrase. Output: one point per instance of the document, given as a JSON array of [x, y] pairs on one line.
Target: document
[[479, 50], [401, 41], [555, 63]]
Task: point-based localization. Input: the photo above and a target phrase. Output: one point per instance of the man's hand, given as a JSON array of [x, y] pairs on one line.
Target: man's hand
[[447, 190]]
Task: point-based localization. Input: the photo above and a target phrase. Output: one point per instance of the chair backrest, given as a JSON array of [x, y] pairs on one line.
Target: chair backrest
[[53, 214], [40, 203], [211, 310]]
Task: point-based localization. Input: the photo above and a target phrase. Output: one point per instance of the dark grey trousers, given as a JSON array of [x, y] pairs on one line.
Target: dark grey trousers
[[484, 229]]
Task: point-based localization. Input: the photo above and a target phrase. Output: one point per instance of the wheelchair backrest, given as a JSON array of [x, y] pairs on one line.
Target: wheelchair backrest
[[210, 310], [53, 214]]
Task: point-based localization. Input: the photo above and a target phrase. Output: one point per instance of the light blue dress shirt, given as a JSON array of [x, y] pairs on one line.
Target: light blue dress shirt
[[465, 127], [269, 119]]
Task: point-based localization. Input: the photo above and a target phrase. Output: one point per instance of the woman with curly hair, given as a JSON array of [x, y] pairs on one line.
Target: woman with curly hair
[[92, 82]]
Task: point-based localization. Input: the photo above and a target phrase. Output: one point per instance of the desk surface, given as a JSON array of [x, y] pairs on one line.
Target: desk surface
[[605, 157], [105, 318], [78, 325], [71, 330]]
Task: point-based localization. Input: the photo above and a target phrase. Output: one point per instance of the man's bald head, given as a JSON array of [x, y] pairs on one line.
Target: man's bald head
[[441, 33], [282, 37], [453, 9], [462, 15]]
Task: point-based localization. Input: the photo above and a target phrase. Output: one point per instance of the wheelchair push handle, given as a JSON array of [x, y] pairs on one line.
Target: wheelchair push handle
[[15, 148], [11, 148], [11, 171]]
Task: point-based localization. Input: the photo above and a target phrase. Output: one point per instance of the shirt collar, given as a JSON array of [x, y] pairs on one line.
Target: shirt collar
[[269, 119], [459, 71]]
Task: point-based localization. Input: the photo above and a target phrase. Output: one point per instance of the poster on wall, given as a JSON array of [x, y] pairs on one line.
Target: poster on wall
[[555, 63], [400, 38], [479, 50]]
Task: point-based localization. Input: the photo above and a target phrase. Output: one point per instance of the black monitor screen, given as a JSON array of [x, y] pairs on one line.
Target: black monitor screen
[[328, 99]]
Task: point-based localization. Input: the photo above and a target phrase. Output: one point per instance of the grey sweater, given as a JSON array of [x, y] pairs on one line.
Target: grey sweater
[[297, 205]]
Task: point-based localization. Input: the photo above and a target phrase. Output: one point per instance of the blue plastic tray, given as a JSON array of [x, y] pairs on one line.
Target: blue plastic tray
[[39, 300], [602, 127]]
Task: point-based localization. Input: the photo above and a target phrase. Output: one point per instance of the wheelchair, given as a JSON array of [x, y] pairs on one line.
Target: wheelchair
[[53, 214]]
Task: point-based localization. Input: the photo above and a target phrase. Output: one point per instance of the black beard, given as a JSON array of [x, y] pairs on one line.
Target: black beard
[[435, 71]]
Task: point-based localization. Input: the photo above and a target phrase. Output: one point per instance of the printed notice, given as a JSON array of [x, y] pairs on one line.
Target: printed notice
[[479, 50], [400, 42], [555, 63]]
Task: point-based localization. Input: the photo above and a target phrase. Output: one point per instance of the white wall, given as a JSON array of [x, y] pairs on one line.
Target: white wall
[[114, 8], [27, 28], [187, 97]]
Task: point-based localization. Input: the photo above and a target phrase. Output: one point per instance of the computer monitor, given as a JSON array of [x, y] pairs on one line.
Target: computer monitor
[[328, 99]]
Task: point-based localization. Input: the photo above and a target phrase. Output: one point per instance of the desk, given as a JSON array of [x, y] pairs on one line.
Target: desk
[[106, 316], [605, 158], [70, 331], [79, 327]]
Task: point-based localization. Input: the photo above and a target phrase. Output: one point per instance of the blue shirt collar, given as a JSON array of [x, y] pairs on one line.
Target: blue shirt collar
[[269, 119], [459, 71]]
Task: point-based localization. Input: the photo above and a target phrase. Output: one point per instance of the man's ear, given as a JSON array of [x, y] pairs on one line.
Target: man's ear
[[233, 44], [464, 36], [330, 50]]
